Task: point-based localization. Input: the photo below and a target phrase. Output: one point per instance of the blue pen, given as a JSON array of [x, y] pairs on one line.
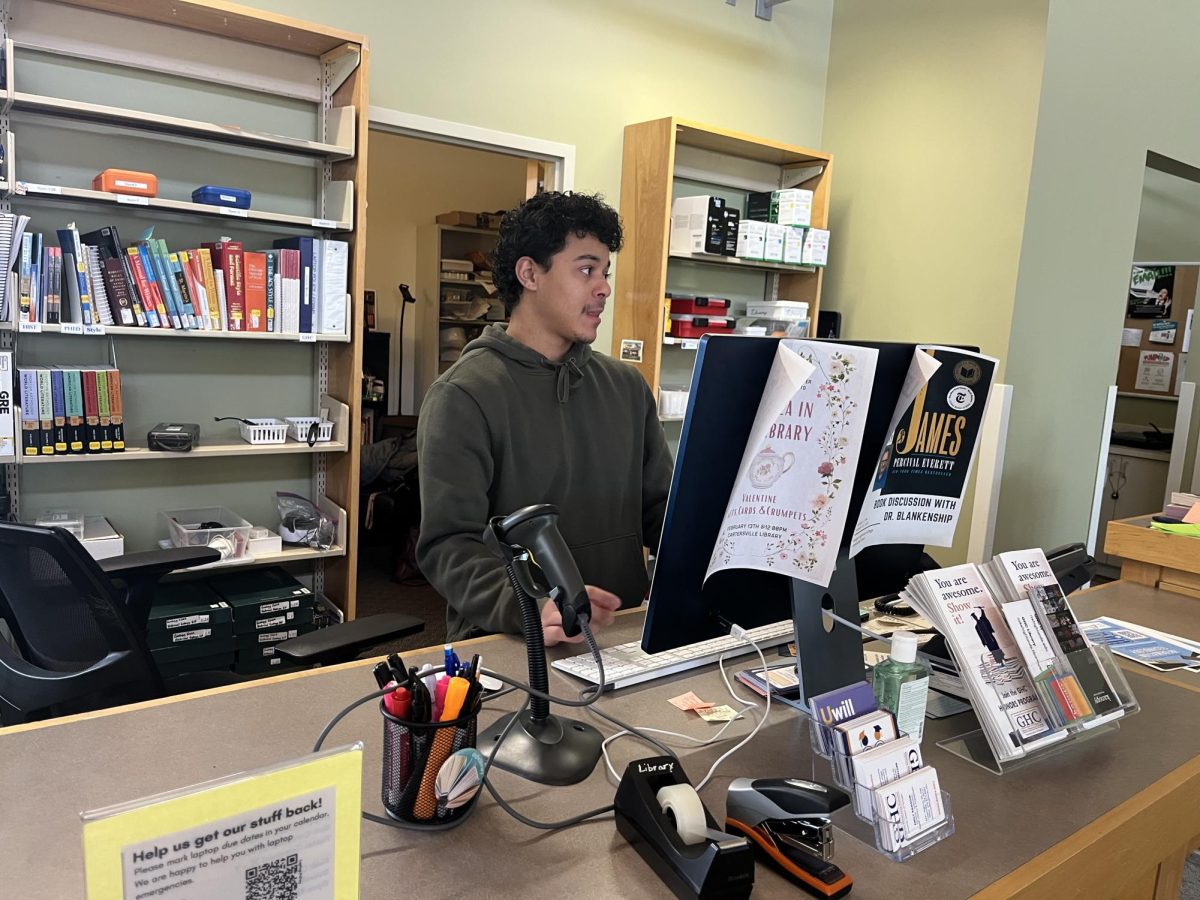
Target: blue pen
[[452, 663]]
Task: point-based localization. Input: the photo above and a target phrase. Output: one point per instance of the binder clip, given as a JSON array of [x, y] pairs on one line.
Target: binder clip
[[788, 819], [660, 814]]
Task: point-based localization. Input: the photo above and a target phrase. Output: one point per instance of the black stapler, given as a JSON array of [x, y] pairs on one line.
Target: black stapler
[[788, 819], [693, 857]]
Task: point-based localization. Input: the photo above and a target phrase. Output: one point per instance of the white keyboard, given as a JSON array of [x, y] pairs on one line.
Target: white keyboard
[[627, 664]]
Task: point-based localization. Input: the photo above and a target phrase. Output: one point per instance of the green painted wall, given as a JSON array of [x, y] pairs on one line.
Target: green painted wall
[[930, 114], [1120, 79], [579, 72]]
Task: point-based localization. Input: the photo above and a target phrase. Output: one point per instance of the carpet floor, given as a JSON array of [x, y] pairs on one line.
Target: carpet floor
[[378, 592]]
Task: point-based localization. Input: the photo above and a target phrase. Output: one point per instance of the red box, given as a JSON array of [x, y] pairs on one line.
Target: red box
[[126, 181], [688, 326], [700, 306]]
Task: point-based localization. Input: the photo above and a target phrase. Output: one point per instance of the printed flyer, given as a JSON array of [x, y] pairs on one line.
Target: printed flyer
[[792, 494], [923, 468]]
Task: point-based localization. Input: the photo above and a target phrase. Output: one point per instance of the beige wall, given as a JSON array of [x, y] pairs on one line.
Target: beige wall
[[1120, 79], [579, 71], [930, 113], [409, 182]]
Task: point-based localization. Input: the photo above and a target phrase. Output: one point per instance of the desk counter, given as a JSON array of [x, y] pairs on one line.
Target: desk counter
[[1112, 817]]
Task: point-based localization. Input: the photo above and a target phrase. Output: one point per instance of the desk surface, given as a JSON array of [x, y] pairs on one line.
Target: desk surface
[[52, 772]]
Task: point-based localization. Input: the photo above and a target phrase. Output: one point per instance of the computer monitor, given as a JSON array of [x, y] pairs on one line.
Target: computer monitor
[[728, 379]]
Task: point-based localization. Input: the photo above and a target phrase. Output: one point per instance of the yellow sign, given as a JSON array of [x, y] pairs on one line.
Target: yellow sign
[[289, 830]]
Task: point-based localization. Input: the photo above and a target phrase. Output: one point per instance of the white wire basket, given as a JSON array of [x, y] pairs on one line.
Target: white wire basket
[[298, 428], [264, 431]]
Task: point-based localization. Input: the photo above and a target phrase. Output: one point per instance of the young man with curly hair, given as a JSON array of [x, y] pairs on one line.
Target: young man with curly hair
[[529, 414]]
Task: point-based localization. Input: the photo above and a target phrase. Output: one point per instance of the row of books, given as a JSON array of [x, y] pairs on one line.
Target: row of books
[[296, 287], [71, 410], [1028, 669]]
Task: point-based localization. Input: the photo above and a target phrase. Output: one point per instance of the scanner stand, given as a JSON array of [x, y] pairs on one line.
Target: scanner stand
[[541, 746], [721, 866]]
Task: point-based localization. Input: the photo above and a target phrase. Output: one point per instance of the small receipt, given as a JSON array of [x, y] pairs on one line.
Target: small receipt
[[689, 701], [717, 713]]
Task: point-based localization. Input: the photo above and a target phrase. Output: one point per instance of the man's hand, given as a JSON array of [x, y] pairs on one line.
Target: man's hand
[[604, 604]]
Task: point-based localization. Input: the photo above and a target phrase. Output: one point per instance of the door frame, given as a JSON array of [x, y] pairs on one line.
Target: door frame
[[557, 169]]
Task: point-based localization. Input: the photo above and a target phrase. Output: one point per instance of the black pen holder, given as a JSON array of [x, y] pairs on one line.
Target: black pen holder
[[413, 754]]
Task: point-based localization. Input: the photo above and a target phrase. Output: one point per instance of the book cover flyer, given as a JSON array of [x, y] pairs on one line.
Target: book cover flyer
[[791, 498], [922, 472]]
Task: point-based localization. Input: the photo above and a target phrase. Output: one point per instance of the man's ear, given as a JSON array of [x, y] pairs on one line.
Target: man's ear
[[527, 271]]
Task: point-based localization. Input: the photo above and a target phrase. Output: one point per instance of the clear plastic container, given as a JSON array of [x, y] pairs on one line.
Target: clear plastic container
[[914, 844], [209, 526], [70, 519], [771, 327]]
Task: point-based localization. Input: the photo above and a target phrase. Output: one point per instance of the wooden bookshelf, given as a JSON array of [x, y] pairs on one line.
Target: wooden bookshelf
[[662, 152], [222, 47]]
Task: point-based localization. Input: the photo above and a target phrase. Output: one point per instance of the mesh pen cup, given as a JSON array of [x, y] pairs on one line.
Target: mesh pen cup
[[413, 755]]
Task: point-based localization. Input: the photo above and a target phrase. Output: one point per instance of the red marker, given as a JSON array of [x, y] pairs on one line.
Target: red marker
[[398, 702]]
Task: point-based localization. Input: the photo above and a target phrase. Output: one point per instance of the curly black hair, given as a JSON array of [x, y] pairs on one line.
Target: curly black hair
[[539, 228]]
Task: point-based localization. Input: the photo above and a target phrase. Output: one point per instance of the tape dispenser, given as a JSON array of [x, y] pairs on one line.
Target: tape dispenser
[[788, 819], [661, 815]]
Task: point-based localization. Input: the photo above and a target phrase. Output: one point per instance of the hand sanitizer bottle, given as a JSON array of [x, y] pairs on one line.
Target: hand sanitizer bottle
[[901, 685]]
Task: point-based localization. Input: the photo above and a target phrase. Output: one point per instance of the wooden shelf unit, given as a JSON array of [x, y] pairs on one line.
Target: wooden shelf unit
[[657, 154], [338, 90]]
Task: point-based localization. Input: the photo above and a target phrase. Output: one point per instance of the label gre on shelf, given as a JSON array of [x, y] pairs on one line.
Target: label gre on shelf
[[308, 338]]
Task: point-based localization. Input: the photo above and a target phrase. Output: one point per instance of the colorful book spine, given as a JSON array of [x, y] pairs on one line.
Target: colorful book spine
[[31, 433], [91, 410], [104, 411], [113, 274], [155, 308], [186, 300], [59, 406], [45, 402], [272, 287], [73, 396], [210, 288], [116, 410], [256, 290], [228, 257]]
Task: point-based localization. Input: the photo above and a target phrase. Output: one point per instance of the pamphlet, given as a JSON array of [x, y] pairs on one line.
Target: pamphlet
[[791, 498], [923, 468], [1161, 652]]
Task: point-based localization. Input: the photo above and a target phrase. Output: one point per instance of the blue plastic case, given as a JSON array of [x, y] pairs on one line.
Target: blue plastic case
[[221, 196]]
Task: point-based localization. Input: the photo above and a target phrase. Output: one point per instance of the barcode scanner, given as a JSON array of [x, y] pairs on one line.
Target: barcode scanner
[[554, 573]]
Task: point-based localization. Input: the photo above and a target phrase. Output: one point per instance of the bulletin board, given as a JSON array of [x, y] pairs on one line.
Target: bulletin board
[[1151, 346]]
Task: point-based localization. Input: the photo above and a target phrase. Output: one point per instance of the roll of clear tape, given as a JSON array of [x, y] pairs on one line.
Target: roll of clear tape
[[682, 802]]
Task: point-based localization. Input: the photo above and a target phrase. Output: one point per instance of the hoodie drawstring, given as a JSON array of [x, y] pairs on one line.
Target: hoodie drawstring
[[563, 384]]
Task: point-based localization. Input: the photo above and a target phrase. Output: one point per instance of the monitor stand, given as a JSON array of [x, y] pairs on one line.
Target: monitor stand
[[828, 654]]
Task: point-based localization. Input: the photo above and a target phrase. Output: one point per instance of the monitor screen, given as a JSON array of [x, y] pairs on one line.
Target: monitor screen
[[727, 381]]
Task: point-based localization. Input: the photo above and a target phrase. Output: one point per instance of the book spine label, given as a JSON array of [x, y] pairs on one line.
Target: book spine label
[[116, 412], [104, 410], [210, 288], [31, 434]]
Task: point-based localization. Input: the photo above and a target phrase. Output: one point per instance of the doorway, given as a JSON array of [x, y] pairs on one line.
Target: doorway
[[434, 191]]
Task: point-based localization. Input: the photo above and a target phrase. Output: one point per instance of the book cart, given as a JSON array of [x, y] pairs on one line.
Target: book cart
[[198, 93]]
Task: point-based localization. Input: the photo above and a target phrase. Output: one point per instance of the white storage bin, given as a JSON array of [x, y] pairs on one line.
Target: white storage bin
[[208, 526], [299, 426], [264, 431]]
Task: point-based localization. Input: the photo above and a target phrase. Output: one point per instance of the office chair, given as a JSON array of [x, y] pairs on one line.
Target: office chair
[[79, 627]]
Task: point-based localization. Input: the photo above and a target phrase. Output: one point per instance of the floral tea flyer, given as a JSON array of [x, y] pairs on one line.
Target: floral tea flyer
[[792, 494]]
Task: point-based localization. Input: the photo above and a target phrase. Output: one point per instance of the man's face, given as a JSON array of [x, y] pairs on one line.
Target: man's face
[[566, 299]]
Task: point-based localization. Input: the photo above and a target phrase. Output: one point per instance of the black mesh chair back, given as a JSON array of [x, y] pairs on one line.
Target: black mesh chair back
[[76, 648]]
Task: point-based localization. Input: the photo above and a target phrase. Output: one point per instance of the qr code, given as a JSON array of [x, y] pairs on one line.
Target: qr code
[[277, 880]]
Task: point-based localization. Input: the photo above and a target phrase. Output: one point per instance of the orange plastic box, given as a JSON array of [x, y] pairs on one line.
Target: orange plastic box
[[124, 181]]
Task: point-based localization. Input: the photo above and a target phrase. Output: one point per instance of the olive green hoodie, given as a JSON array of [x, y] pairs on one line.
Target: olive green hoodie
[[505, 428]]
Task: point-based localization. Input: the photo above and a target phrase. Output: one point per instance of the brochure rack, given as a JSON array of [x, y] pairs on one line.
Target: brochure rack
[[974, 746]]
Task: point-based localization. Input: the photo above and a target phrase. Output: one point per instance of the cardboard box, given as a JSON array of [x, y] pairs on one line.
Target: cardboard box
[[816, 247], [253, 664], [171, 617], [260, 592], [288, 618], [698, 225], [212, 663], [100, 539], [752, 238], [260, 639], [192, 644], [793, 245], [490, 221], [792, 207], [758, 205], [732, 218], [773, 245]]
